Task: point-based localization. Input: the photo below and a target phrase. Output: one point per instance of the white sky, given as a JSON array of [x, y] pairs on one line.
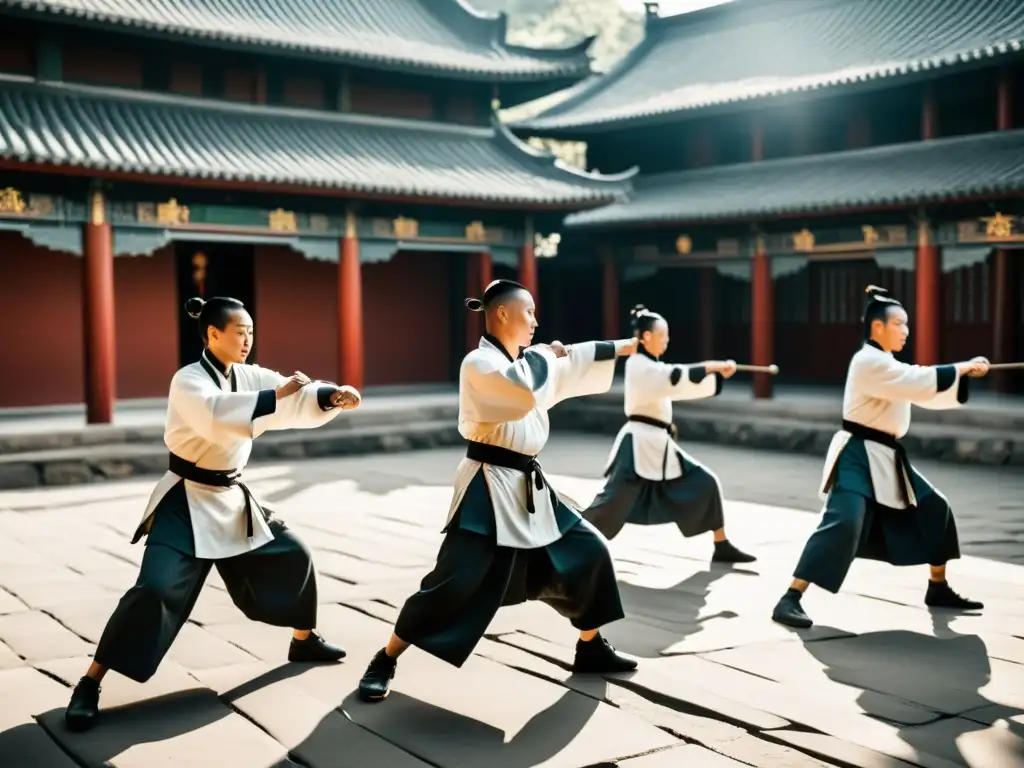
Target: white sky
[[671, 7]]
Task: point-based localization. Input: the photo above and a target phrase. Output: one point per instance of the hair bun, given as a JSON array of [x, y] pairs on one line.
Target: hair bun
[[194, 307], [474, 305], [874, 290], [638, 310]]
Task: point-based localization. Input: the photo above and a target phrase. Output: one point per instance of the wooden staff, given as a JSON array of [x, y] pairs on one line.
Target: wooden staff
[[1006, 367], [771, 369]]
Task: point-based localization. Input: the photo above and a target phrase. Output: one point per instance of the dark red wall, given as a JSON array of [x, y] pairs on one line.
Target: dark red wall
[[407, 306], [40, 335], [296, 313], [146, 320]]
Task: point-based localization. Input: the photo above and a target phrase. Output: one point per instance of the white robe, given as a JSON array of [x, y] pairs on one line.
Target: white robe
[[879, 392], [506, 404], [212, 427], [650, 388]]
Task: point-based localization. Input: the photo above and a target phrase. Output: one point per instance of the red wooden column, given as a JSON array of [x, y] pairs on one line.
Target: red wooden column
[[762, 338], [528, 270], [479, 274], [929, 115], [611, 321], [927, 294], [351, 360], [1004, 274], [98, 315]]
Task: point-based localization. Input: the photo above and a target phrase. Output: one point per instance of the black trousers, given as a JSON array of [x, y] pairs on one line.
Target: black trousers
[[473, 577], [854, 525], [275, 584], [693, 501]]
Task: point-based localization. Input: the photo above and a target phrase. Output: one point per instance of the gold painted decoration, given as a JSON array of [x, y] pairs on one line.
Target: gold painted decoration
[[684, 245], [803, 240], [283, 221], [870, 234], [11, 201], [999, 226], [40, 205], [406, 229], [171, 214], [475, 232]]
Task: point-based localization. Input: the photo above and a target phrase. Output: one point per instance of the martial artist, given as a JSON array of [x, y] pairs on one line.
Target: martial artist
[[200, 515], [877, 506], [651, 480], [510, 537]]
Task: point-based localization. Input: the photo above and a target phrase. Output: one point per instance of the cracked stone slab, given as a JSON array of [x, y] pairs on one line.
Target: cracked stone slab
[[119, 691], [191, 728], [680, 691], [10, 604], [689, 755], [37, 637], [719, 737], [23, 742]]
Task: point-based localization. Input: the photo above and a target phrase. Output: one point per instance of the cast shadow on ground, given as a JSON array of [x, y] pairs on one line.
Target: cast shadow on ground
[[944, 672], [148, 721], [658, 618]]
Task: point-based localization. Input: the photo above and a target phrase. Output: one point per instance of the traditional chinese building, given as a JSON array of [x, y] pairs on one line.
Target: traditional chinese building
[[335, 164], [792, 152]]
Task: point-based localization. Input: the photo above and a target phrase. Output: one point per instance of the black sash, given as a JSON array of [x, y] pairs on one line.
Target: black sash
[[221, 478], [666, 425], [672, 432], [860, 432], [502, 457]]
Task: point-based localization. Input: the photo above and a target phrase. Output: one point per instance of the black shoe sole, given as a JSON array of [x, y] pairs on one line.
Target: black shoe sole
[[320, 660], [795, 624], [370, 698]]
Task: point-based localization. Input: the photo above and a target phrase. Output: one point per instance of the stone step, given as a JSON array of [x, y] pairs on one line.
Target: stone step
[[985, 414], [800, 434], [112, 461], [380, 412]]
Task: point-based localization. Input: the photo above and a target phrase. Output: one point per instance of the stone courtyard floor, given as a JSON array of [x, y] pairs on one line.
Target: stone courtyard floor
[[879, 681]]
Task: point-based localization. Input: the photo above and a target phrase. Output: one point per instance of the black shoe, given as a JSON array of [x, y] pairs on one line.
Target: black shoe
[[376, 682], [941, 595], [84, 706], [725, 552], [788, 611], [599, 656], [314, 648]]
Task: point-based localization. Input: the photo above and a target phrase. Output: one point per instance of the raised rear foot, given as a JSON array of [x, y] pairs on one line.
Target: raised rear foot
[[375, 684]]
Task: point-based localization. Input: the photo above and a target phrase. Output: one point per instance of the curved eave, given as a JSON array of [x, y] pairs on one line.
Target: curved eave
[[557, 125], [888, 177], [555, 64], [103, 131]]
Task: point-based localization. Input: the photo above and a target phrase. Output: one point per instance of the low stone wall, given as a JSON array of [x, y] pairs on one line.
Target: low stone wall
[[753, 429]]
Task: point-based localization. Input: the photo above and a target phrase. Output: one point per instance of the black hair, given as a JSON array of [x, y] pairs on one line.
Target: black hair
[[216, 312], [493, 293], [877, 308], [643, 319]]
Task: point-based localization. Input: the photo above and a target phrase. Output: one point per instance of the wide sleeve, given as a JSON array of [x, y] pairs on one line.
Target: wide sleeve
[[936, 387], [494, 392], [308, 408], [588, 368], [657, 380], [210, 412]]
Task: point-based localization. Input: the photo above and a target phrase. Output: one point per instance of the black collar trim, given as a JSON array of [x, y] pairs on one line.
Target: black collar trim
[[501, 347], [212, 366]]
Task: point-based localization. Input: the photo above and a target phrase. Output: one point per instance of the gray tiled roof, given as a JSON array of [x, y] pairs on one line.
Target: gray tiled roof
[[899, 174], [180, 137], [757, 48], [446, 36]]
